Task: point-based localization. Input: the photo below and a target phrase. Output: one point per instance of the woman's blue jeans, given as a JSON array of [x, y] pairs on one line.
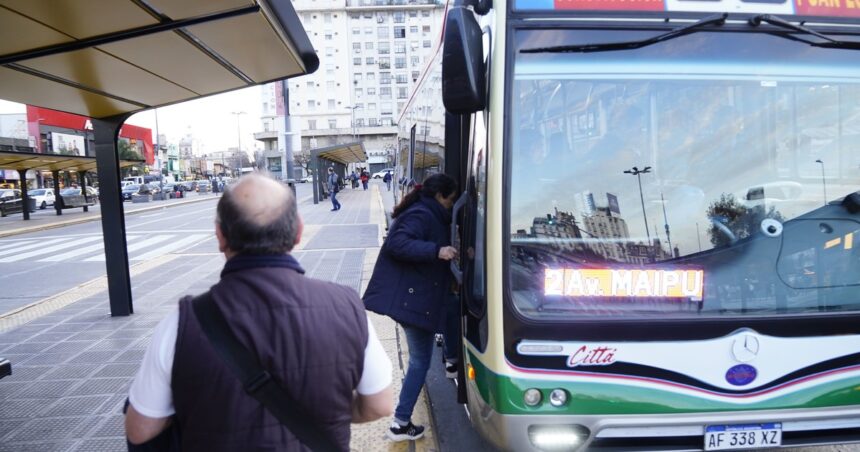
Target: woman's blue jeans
[[421, 345]]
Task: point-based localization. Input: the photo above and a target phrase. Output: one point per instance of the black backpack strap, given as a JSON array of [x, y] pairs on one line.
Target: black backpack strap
[[258, 382]]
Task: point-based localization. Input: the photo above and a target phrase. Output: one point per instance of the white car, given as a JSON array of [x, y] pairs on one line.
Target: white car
[[381, 174], [44, 197]]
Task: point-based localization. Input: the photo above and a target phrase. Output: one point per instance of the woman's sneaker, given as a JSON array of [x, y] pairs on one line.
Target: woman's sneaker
[[408, 432]]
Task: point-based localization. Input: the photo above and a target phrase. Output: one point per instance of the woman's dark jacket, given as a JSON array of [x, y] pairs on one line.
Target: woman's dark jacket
[[409, 281]]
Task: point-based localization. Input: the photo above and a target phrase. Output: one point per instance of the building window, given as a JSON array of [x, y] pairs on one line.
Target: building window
[[381, 17], [331, 104], [413, 30], [359, 122], [402, 92], [413, 13], [368, 14], [400, 47], [368, 45], [332, 123], [382, 32], [385, 78], [312, 104], [425, 13], [312, 124], [414, 61], [356, 61], [371, 76], [400, 106], [384, 48], [371, 107], [385, 108], [371, 91], [385, 63], [426, 44], [413, 45], [310, 85], [371, 122], [356, 30], [401, 78], [329, 85], [357, 76], [359, 92], [329, 51], [399, 17], [359, 106], [386, 121], [354, 16], [400, 62], [425, 30], [399, 32], [368, 30], [356, 46], [328, 35], [327, 18], [370, 60], [385, 93]]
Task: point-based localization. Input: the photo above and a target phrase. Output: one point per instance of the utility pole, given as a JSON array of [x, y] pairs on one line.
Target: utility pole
[[288, 135], [823, 181], [238, 135]]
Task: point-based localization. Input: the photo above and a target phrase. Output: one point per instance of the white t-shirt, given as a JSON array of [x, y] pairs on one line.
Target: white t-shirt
[[150, 391]]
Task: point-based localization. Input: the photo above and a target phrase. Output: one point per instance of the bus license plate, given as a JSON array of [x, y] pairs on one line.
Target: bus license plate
[[743, 436]]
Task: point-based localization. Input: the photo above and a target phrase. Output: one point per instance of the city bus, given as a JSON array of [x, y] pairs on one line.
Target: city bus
[[660, 219]]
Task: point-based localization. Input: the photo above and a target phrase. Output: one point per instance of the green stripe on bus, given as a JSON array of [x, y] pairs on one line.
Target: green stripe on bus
[[505, 395]]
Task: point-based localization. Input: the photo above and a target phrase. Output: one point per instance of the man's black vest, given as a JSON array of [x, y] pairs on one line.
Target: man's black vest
[[309, 334]]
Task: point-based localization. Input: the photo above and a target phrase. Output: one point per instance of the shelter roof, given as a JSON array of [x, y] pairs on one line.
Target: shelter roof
[[342, 153], [101, 58], [52, 162]]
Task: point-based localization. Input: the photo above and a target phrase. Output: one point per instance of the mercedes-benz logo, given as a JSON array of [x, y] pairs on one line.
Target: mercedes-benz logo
[[745, 348]]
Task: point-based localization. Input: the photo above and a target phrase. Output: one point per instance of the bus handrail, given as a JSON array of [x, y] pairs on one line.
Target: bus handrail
[[461, 201]]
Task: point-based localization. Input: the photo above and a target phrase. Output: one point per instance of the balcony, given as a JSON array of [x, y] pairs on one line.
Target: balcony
[[266, 136]]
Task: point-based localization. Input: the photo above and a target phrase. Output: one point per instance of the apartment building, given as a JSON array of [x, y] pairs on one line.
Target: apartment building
[[371, 53]]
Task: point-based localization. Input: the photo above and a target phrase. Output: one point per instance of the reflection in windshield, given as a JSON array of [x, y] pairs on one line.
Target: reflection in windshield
[[724, 174]]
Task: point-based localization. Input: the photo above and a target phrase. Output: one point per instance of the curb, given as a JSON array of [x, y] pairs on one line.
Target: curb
[[61, 224]]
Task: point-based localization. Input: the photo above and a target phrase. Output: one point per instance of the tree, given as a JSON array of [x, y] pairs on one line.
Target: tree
[[126, 152], [732, 221], [260, 159], [303, 160]]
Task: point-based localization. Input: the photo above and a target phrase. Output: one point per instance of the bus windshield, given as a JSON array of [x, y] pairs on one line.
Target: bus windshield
[[710, 175]]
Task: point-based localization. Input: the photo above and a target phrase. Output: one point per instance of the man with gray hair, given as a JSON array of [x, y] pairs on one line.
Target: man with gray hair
[[313, 337]]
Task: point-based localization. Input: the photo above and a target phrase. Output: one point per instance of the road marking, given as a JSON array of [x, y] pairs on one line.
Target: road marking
[[14, 244], [137, 246], [30, 246], [153, 215], [49, 249], [179, 244]]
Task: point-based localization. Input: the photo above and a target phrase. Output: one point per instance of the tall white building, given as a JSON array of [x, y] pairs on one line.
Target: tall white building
[[371, 53]]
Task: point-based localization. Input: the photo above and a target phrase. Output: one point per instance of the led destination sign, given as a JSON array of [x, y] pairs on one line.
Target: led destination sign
[[669, 283], [820, 8]]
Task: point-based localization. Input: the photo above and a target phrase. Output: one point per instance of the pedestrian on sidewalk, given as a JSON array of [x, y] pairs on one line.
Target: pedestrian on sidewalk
[[314, 338], [387, 179], [333, 188], [364, 178], [353, 179], [411, 283]]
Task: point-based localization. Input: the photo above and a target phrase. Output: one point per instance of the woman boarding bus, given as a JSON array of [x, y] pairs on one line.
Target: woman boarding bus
[[658, 234]]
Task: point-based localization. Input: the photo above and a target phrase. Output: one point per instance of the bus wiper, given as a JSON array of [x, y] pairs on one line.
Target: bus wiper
[[782, 23], [718, 19]]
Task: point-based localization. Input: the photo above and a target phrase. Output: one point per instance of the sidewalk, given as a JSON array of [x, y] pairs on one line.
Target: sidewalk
[[72, 363]]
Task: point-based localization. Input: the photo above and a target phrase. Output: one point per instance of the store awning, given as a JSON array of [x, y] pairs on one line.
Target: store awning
[[101, 58], [342, 153], [53, 162]]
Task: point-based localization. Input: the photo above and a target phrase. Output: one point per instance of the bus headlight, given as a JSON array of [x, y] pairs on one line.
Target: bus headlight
[[557, 437], [532, 397], [558, 397]]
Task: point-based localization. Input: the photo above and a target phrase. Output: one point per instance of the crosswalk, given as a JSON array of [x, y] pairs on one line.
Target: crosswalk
[[90, 248]]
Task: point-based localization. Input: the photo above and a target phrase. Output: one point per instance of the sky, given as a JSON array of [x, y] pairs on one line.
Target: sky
[[209, 120]]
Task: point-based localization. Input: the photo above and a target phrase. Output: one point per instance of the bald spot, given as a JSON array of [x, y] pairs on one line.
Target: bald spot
[[259, 199]]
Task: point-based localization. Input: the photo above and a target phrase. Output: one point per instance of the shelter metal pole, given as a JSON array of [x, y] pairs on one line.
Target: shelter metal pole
[[82, 175], [25, 198], [58, 200], [315, 176], [113, 222]]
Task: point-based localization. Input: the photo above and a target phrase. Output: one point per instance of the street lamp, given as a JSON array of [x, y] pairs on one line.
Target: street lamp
[[823, 182], [238, 135], [637, 172], [352, 117]]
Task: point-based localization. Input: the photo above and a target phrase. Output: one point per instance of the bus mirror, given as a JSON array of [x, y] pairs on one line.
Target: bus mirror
[[463, 74]]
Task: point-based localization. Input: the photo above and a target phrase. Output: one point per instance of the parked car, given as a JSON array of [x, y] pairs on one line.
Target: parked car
[[204, 186], [381, 174], [129, 190], [307, 179], [73, 197], [190, 185], [43, 197], [10, 201]]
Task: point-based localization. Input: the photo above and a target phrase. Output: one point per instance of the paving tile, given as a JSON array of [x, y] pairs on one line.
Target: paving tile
[[89, 335], [95, 357], [29, 347], [51, 337], [69, 371], [70, 346], [131, 356], [108, 386], [48, 428], [68, 327], [47, 389], [103, 445], [48, 358], [22, 408], [112, 344], [113, 426], [38, 446], [76, 406], [26, 373], [118, 370]]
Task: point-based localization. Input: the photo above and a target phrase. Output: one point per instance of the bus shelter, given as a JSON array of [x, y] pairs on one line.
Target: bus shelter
[[338, 157], [109, 59], [24, 161]]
